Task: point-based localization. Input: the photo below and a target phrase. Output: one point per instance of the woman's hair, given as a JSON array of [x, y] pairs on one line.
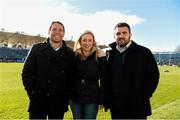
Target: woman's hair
[[77, 46]]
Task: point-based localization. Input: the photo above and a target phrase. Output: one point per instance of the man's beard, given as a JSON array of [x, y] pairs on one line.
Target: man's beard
[[121, 43]]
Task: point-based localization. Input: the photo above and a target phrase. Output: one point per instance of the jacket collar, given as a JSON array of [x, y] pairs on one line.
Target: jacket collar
[[46, 44], [132, 46], [82, 57], [79, 51]]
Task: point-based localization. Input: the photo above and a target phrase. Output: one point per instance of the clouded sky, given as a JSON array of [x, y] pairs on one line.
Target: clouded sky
[[154, 23]]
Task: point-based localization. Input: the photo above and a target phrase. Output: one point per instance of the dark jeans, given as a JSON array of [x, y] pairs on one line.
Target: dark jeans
[[44, 115], [83, 111]]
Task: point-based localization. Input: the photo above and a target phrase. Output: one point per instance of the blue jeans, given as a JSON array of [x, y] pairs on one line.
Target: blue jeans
[[83, 111]]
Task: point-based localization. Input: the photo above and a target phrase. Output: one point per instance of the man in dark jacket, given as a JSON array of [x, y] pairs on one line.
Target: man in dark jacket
[[46, 75], [133, 76]]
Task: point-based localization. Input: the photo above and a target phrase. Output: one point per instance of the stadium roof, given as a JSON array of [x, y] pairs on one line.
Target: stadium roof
[[13, 39]]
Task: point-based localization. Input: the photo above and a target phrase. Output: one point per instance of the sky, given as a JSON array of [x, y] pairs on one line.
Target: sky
[[154, 23]]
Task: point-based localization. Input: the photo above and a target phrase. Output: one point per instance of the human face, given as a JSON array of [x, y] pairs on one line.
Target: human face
[[56, 33], [87, 42], [122, 36]]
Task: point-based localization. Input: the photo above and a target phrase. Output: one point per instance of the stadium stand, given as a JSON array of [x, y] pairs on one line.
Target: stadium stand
[[12, 54], [14, 47], [167, 58]]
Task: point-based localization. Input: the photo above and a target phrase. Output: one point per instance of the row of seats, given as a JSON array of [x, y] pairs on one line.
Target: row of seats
[[12, 54]]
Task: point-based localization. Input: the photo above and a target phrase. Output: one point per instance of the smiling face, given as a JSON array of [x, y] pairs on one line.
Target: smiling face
[[122, 36], [56, 32], [87, 42]]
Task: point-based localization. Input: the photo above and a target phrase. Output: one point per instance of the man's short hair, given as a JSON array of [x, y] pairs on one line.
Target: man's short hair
[[58, 23], [123, 24]]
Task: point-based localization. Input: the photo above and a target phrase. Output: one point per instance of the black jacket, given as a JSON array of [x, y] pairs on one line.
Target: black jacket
[[87, 88], [47, 76], [139, 79]]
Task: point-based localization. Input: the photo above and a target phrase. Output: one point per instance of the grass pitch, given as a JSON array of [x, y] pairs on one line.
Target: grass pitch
[[13, 99]]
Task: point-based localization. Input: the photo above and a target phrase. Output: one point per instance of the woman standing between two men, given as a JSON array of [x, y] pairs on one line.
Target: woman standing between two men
[[87, 92]]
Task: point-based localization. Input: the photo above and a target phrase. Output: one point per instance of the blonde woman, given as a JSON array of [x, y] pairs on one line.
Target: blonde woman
[[90, 68]]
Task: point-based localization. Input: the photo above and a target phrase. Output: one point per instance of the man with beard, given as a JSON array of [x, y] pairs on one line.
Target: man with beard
[[133, 76]]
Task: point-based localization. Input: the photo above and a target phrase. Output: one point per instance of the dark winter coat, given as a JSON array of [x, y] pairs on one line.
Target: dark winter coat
[[47, 76], [87, 88], [139, 79]]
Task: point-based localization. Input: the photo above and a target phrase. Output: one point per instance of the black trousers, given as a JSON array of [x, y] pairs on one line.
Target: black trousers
[[117, 115], [119, 110], [44, 115]]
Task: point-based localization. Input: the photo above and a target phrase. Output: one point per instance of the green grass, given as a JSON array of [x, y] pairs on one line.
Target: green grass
[[166, 99], [12, 96], [13, 99]]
